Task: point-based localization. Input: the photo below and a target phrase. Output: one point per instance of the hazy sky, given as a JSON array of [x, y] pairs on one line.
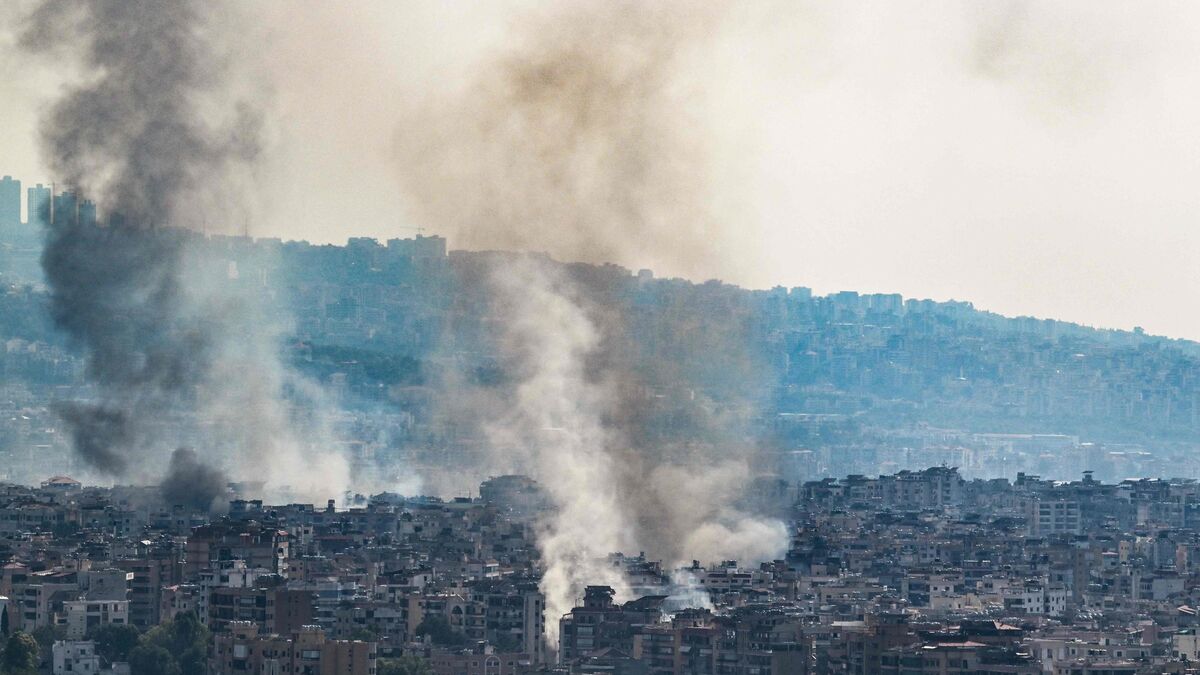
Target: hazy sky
[[1035, 158]]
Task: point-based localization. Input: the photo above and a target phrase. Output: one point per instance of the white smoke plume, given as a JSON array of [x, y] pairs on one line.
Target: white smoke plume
[[579, 139], [555, 427], [686, 591]]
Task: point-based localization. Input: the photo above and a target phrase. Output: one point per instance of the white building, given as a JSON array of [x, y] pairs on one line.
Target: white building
[[84, 615], [1056, 600], [75, 657], [1044, 516]]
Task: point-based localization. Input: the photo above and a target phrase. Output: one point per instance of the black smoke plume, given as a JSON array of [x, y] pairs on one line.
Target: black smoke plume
[[191, 483], [133, 137], [98, 433]]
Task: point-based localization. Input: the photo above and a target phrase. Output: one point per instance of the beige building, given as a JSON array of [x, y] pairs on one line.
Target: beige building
[[243, 651], [82, 616]]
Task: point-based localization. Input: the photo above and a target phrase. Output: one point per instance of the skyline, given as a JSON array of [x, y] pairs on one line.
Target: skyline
[[418, 232]]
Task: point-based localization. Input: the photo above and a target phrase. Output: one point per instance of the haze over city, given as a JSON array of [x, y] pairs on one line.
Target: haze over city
[[1033, 158]]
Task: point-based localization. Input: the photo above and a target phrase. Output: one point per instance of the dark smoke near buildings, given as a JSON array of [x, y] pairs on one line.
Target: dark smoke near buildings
[[577, 138], [99, 435], [114, 290], [191, 483], [147, 133], [130, 139]]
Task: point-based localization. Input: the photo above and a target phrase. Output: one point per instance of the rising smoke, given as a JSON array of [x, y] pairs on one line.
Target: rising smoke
[[149, 133], [578, 140], [555, 428], [583, 139], [191, 483]]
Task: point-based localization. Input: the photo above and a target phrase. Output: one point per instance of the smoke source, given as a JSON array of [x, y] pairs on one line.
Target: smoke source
[[191, 484]]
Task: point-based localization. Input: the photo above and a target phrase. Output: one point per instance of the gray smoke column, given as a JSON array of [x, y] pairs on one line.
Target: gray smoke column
[[583, 139], [580, 140], [151, 132], [99, 434]]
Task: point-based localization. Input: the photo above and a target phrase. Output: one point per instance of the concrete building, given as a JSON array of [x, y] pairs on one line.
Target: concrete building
[[42, 595], [243, 650], [484, 660], [957, 658], [10, 204], [106, 584], [1186, 644], [83, 616], [176, 600], [258, 546], [75, 657], [153, 571], [1052, 516], [37, 205]]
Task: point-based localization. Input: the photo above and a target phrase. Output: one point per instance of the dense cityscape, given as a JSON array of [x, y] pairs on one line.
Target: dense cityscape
[[913, 572], [924, 456]]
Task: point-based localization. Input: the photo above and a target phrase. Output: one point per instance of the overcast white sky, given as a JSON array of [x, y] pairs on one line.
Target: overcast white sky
[[1036, 158]]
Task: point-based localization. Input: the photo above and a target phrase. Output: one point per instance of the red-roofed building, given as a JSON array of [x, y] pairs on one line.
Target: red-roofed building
[[64, 483]]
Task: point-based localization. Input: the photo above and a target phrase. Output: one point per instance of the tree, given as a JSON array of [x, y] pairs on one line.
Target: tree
[[179, 634], [177, 647], [46, 636], [150, 659], [20, 654], [194, 661], [438, 629], [115, 641], [4, 621], [405, 665]]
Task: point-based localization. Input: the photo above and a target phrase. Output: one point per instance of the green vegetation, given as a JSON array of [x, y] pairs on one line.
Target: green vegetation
[[177, 647], [439, 630], [153, 660], [20, 655], [46, 636], [115, 642]]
